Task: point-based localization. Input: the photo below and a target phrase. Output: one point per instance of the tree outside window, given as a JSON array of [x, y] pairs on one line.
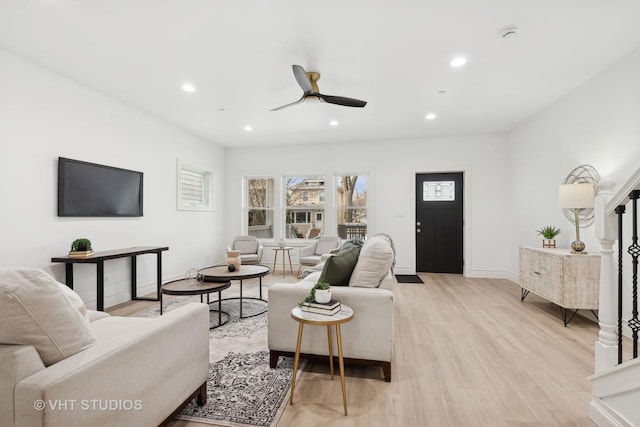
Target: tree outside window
[[351, 202], [260, 207]]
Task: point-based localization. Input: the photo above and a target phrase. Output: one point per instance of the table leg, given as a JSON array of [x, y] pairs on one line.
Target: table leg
[[275, 259], [159, 273], [160, 298], [260, 281], [219, 308], [295, 362], [100, 285], [330, 350], [134, 277], [290, 265], [68, 274], [283, 264], [341, 362], [241, 298]]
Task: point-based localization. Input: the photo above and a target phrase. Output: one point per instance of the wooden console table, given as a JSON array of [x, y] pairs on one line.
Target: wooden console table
[[568, 280], [100, 257]]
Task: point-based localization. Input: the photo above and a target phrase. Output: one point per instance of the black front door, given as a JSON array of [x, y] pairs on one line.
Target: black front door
[[439, 222]]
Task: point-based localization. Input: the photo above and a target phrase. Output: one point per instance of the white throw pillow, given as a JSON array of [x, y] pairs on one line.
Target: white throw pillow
[[35, 311], [374, 262]]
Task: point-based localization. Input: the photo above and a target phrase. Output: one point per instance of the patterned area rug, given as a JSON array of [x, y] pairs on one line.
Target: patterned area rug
[[241, 390]]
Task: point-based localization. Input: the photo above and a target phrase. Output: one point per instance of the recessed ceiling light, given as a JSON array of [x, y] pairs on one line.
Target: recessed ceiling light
[[442, 92], [248, 128], [188, 87], [430, 116], [333, 123], [458, 62]]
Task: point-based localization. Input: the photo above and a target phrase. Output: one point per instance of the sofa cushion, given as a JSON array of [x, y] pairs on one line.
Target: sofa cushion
[[376, 258], [338, 268], [40, 315]]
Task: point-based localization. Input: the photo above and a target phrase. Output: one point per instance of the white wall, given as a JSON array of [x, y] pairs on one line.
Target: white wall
[[43, 116], [392, 166], [598, 124]]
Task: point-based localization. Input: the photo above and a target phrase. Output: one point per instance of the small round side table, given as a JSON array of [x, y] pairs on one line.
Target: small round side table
[[306, 318], [195, 287]]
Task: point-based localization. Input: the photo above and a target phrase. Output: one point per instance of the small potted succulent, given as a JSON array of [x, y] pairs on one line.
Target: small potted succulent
[[81, 248], [549, 233], [320, 293]]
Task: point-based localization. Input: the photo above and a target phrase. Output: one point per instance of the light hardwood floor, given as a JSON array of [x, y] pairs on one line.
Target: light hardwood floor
[[467, 353]]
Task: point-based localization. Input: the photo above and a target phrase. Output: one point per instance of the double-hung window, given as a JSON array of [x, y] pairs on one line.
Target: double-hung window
[[305, 205], [352, 206], [260, 207]]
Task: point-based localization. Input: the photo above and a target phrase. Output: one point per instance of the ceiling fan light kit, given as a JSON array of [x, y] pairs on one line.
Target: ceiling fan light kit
[[308, 82]]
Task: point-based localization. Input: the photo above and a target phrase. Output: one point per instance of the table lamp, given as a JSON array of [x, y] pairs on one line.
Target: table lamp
[[576, 196]]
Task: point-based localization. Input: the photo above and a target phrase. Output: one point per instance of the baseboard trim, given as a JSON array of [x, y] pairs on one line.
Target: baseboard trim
[[603, 416]]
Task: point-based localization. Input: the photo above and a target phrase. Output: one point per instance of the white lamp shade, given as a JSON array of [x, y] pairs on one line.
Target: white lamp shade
[[576, 196]]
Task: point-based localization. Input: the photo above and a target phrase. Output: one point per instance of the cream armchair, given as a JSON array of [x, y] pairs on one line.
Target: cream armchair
[[250, 249], [312, 255]]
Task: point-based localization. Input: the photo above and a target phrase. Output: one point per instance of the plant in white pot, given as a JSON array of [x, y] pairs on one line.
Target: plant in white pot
[[320, 293]]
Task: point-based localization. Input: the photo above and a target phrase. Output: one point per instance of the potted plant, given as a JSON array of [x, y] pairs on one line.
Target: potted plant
[[81, 248], [549, 233], [321, 293]]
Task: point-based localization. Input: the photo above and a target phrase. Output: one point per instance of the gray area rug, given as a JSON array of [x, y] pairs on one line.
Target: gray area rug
[[241, 390]]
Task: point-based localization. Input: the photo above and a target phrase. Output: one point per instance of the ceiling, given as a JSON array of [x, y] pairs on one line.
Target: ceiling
[[393, 54]]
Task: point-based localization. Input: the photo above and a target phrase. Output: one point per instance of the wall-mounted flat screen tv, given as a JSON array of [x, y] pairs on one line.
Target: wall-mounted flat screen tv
[[89, 189]]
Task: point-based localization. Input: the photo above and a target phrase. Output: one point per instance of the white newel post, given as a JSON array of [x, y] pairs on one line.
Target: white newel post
[[606, 348]]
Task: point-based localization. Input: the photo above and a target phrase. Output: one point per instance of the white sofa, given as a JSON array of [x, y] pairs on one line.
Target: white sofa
[[368, 338], [137, 371]]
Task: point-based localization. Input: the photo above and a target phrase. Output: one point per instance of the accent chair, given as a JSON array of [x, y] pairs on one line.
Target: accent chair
[[250, 249], [312, 255]]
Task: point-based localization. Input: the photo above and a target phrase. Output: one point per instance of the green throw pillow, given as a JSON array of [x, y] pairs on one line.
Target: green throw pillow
[[338, 268]]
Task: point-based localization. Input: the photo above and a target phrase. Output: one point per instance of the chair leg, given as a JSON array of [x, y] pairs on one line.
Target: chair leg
[[299, 271]]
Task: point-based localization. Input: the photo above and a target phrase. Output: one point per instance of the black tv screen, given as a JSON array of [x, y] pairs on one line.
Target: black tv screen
[[89, 189]]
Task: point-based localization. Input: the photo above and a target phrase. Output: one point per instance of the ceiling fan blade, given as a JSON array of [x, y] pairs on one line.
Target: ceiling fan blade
[[289, 105], [341, 100], [302, 78]]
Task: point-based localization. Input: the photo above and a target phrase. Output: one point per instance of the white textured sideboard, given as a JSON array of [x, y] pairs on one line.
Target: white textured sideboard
[[568, 280]]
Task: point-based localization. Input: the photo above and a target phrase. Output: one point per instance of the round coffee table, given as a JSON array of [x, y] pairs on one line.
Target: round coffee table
[[220, 273], [197, 287]]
